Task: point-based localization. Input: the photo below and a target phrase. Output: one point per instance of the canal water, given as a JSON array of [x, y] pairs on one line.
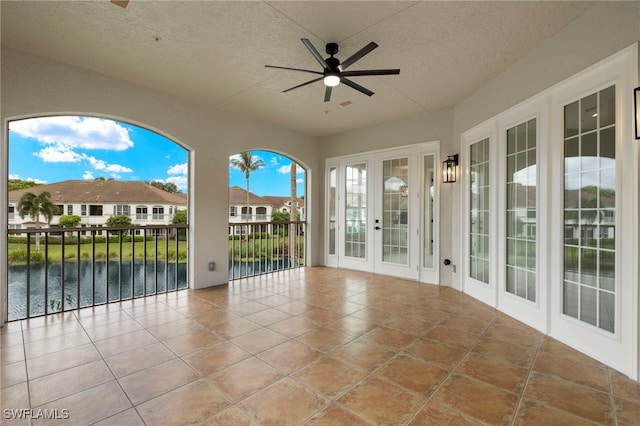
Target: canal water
[[101, 281]]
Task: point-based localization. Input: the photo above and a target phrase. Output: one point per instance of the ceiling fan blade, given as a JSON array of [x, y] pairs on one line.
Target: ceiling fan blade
[[359, 54], [327, 94], [370, 72], [293, 69], [303, 84], [356, 86], [315, 53]]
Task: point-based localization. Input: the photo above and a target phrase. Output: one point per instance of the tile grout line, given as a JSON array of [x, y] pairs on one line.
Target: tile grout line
[[526, 383], [612, 398], [452, 371]]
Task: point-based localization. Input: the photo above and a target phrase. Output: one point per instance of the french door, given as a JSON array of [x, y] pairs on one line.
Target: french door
[[382, 212], [550, 218]]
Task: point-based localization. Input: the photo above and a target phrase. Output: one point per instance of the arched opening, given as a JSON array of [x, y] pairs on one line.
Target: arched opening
[[69, 179], [268, 189]]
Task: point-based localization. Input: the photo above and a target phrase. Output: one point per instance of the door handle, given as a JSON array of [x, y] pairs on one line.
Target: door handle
[[377, 228]]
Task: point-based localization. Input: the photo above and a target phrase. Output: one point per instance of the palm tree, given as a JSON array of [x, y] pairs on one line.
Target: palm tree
[[247, 164], [34, 206]]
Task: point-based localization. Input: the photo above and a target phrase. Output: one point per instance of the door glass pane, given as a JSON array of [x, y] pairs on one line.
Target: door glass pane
[[395, 210], [356, 210], [589, 209], [521, 210], [479, 211], [429, 195], [332, 210]]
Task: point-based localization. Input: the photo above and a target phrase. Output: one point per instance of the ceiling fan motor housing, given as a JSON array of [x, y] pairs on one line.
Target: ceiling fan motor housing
[[332, 48]]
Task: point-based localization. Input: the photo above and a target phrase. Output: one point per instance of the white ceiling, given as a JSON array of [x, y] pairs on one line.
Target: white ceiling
[[214, 52]]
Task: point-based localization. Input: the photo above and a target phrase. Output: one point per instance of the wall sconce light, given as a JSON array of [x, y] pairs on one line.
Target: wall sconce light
[[449, 169], [636, 110]]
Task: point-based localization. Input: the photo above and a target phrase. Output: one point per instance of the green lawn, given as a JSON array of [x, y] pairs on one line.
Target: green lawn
[[17, 251]]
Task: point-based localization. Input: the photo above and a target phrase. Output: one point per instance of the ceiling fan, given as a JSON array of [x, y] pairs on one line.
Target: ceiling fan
[[334, 72]]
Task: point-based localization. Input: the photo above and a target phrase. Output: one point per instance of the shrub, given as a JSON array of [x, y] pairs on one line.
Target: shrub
[[37, 257], [17, 256]]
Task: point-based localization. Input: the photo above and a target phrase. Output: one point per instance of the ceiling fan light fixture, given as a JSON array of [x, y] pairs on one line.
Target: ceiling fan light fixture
[[331, 80]]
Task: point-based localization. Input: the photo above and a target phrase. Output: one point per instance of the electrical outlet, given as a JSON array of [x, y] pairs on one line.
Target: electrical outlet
[[212, 266]]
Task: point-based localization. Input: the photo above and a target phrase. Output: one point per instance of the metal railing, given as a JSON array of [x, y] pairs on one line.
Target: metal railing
[[60, 269], [257, 248]]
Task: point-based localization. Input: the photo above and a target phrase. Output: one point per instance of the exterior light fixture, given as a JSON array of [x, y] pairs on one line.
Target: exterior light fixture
[[449, 169], [636, 110], [331, 79]]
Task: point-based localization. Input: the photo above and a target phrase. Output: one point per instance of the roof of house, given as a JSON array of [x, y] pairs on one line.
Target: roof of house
[[238, 196], [103, 191]]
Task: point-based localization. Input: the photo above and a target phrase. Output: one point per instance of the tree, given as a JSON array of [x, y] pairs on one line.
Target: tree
[[118, 221], [180, 218], [69, 221], [168, 187], [34, 206], [247, 164], [280, 217], [21, 184]]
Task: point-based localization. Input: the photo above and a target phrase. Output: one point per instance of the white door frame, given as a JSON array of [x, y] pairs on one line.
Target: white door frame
[[372, 262]]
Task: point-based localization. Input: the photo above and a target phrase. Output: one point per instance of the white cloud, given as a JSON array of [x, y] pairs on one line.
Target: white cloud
[[75, 132], [36, 180], [88, 175], [178, 169], [117, 168], [274, 161], [58, 153], [299, 180], [14, 176], [285, 170]]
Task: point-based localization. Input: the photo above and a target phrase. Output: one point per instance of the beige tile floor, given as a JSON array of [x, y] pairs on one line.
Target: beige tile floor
[[315, 346]]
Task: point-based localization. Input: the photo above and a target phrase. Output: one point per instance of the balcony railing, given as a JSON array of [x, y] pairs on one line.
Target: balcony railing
[[56, 270], [261, 247]]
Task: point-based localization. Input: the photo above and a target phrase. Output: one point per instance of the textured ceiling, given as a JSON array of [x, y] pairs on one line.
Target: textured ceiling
[[214, 52]]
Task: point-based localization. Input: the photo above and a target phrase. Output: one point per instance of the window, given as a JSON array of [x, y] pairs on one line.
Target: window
[[69, 209], [589, 208], [232, 211], [521, 210], [158, 213], [246, 213], [95, 210], [479, 217], [83, 210], [261, 213], [141, 213], [356, 210], [332, 209], [12, 210], [59, 210], [121, 210]]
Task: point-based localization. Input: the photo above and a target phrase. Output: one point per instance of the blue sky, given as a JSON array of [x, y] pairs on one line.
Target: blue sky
[[52, 149]]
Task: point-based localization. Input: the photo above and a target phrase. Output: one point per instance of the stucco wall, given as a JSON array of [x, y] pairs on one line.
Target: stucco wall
[[34, 86]]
